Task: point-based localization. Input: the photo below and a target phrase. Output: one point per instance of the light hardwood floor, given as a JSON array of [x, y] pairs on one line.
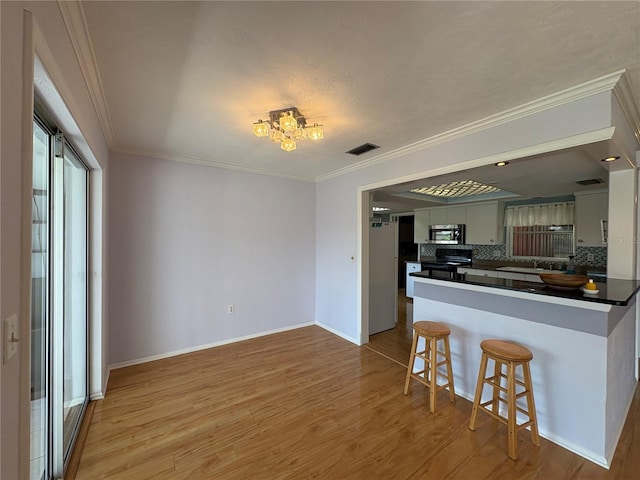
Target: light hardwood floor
[[396, 343], [307, 404]]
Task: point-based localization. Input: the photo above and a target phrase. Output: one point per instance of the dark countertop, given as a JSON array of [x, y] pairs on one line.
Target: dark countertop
[[614, 292], [493, 265]]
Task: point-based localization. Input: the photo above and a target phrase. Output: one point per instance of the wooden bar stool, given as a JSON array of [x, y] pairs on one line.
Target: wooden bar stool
[[512, 355], [431, 332]]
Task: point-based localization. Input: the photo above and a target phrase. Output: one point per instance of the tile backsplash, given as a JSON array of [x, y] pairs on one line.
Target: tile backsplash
[[499, 252]]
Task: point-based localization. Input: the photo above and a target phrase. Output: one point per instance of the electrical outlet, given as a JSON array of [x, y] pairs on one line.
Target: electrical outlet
[[10, 337], [230, 309], [590, 257]]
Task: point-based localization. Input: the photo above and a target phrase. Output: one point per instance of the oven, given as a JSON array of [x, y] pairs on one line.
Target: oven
[[447, 262]]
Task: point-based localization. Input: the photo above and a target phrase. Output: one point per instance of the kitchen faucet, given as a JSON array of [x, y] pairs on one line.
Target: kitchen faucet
[[535, 263]]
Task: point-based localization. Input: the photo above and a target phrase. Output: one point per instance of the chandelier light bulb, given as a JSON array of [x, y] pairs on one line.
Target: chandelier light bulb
[[288, 122], [299, 133], [277, 136], [315, 132], [261, 129], [288, 145]]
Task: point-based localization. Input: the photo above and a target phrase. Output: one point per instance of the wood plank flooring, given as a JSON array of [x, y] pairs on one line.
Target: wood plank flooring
[[396, 343], [308, 404]]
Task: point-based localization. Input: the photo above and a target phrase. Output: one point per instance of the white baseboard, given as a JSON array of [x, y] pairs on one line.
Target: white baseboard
[[612, 448], [558, 440], [338, 333], [197, 348], [100, 395]]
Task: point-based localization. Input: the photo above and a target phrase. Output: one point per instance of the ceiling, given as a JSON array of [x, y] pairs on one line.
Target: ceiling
[[540, 176], [186, 80]]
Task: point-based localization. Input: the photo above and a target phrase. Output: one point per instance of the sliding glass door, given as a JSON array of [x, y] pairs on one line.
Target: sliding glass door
[[72, 348], [59, 301], [40, 304]]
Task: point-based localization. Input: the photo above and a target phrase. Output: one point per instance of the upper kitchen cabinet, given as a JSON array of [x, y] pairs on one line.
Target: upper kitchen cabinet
[[484, 224], [591, 209], [448, 215], [424, 217], [421, 222]]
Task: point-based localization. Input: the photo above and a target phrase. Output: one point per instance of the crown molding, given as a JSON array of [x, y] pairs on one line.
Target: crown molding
[[528, 151], [210, 163], [78, 30], [592, 87], [624, 94]]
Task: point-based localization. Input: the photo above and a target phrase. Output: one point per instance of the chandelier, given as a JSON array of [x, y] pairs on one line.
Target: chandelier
[[286, 127]]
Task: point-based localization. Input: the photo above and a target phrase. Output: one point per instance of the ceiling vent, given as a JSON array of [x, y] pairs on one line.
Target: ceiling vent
[[364, 148], [590, 181]]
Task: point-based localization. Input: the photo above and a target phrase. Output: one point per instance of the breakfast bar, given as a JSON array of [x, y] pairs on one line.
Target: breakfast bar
[[584, 365]]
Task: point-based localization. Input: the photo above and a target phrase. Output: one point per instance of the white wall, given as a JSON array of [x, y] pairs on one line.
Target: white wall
[[187, 240], [337, 219], [51, 40]]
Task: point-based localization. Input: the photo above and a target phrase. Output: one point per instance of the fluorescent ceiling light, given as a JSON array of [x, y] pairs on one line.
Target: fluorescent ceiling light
[[464, 188]]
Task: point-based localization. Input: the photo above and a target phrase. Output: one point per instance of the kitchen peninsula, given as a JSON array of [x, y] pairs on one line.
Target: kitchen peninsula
[[584, 369]]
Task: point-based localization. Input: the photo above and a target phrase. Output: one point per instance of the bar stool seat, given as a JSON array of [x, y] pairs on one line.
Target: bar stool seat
[[432, 332], [511, 355]]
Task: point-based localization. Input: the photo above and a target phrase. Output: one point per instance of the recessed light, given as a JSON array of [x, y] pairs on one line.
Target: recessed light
[[501, 164], [610, 159]]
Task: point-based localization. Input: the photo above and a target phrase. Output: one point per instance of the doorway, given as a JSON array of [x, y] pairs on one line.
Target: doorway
[[407, 250], [395, 343], [59, 300]]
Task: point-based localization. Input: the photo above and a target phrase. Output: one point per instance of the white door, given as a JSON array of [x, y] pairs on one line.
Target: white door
[[383, 277]]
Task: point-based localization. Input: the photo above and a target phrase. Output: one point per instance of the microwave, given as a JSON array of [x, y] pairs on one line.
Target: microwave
[[446, 234]]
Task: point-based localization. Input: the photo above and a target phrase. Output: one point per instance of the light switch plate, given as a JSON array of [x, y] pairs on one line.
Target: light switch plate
[[10, 337]]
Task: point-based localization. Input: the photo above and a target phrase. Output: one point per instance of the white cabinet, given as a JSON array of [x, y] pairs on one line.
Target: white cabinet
[[520, 276], [424, 217], [448, 215], [532, 278], [411, 267], [591, 209], [478, 272], [499, 274], [421, 222], [456, 215], [438, 216], [484, 224], [511, 275]]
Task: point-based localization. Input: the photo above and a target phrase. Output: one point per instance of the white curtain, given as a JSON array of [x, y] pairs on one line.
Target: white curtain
[[539, 214]]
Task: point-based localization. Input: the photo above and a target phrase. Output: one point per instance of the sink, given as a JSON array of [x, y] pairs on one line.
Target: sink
[[535, 271]]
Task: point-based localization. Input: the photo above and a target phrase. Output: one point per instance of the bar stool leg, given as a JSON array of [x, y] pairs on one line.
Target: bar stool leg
[[511, 415], [497, 380], [447, 352], [478, 396], [531, 406], [412, 358], [432, 369]]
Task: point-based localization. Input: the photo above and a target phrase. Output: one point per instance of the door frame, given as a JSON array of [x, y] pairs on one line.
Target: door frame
[[44, 78]]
